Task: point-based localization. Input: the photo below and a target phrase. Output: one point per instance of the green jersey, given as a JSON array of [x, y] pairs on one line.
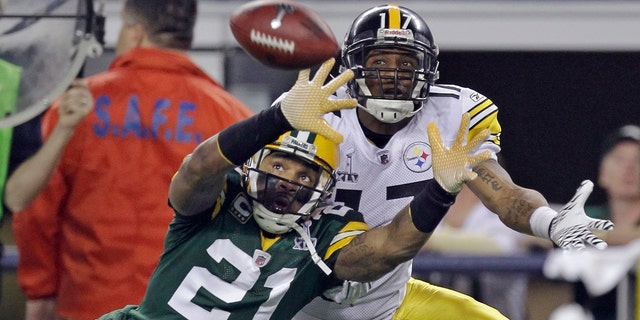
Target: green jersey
[[220, 266]]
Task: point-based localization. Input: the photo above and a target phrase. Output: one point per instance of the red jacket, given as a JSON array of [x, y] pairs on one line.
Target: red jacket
[[94, 235]]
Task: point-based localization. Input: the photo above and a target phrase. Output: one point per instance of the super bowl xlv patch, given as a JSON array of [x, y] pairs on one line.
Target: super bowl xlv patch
[[348, 175], [299, 243], [261, 258]]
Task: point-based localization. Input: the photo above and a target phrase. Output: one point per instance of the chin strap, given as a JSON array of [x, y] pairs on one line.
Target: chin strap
[[312, 249]]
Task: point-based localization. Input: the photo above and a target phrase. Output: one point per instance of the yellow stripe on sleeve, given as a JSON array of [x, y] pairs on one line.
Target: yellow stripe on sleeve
[[220, 200], [344, 237], [480, 107], [485, 115]]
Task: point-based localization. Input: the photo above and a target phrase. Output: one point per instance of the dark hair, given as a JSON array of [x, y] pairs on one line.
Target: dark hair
[[628, 132], [169, 23]]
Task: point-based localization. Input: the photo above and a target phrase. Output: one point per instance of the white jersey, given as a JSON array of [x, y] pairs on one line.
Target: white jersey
[[380, 182]]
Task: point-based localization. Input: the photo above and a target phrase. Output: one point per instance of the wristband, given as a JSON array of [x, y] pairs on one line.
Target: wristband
[[243, 139], [429, 206], [540, 221]]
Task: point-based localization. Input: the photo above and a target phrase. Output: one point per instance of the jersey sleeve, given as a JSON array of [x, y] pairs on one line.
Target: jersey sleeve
[[348, 223], [483, 115], [344, 224]]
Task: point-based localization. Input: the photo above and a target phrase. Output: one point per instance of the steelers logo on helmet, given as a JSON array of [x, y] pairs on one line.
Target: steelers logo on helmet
[[390, 91], [278, 202]]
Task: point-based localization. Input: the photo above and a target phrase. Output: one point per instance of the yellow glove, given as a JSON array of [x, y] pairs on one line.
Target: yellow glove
[[307, 101], [452, 166]]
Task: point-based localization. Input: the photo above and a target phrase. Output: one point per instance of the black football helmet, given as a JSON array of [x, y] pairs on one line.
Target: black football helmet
[[396, 28]]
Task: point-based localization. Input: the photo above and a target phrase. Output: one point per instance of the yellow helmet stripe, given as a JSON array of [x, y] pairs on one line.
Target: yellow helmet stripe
[[394, 16]]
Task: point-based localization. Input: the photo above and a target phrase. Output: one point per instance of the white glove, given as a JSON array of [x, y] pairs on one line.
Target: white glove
[[307, 101], [452, 166], [571, 228]]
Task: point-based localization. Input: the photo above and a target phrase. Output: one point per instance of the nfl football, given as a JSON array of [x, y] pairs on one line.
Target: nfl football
[[283, 34]]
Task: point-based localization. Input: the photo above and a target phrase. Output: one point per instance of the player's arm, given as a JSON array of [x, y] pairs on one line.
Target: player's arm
[[28, 180], [378, 251], [199, 179], [527, 211], [512, 203]]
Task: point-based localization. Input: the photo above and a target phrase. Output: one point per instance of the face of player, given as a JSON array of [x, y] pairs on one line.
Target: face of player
[[288, 183], [620, 171], [395, 72]]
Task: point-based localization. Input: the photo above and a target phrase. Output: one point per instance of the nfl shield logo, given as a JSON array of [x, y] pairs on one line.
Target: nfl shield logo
[[383, 156], [261, 258], [384, 159]]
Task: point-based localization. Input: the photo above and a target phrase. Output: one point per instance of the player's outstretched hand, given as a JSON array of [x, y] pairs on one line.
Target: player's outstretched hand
[[571, 228], [452, 166], [307, 101]]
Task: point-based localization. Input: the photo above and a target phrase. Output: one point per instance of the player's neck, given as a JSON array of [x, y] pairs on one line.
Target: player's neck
[[378, 132]]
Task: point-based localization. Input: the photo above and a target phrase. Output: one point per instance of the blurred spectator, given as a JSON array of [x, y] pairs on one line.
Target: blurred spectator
[[28, 179], [90, 240], [619, 178]]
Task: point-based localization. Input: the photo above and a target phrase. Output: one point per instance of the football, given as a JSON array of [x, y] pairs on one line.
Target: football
[[283, 34]]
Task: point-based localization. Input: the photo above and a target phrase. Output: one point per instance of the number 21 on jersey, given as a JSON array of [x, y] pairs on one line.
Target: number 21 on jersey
[[229, 292]]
